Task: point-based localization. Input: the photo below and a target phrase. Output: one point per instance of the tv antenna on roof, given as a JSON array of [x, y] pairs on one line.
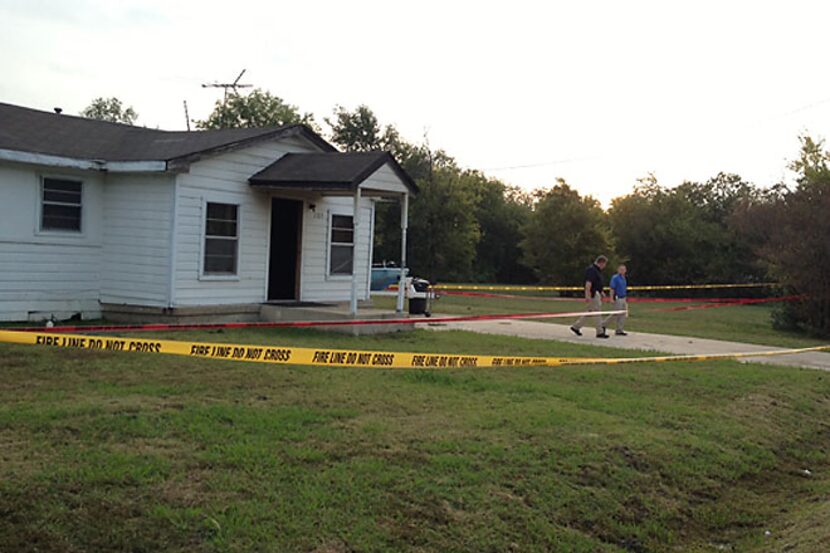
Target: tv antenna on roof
[[233, 86]]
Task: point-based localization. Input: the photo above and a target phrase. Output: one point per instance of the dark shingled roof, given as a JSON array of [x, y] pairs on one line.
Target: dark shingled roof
[[28, 130], [327, 171]]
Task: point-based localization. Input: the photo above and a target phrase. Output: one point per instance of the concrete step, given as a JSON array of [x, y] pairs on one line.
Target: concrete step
[[335, 312]]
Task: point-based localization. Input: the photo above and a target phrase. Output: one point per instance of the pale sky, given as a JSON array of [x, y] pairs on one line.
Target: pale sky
[[598, 93]]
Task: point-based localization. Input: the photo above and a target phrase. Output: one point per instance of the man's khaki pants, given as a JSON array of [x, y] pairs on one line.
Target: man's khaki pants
[[620, 304], [594, 305]]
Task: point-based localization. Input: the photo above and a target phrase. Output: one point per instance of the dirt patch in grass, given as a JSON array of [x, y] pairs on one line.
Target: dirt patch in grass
[[14, 360], [68, 520]]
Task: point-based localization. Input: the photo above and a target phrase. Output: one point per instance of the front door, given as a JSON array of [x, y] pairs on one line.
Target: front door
[[284, 265]]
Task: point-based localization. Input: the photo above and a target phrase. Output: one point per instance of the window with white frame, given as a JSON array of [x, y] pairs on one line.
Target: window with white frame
[[61, 204], [341, 245], [221, 239]]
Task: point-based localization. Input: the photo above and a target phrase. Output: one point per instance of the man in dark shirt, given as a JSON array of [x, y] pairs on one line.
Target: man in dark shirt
[[593, 297]]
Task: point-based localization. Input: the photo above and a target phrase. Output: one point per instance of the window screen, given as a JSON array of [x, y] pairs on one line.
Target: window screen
[[61, 205], [341, 255], [221, 239]]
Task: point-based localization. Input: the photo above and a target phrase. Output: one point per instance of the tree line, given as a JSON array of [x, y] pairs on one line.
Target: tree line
[[467, 226]]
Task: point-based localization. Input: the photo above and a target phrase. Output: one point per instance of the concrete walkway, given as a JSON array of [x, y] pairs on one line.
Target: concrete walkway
[[638, 340]]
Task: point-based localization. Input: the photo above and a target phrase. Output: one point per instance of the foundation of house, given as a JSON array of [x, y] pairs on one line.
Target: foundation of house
[[255, 312]]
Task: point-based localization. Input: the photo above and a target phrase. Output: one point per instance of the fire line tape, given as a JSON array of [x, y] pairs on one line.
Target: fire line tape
[[289, 355], [278, 355]]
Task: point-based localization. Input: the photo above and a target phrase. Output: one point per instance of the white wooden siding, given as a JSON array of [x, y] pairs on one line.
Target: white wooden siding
[[136, 243], [386, 180], [224, 178], [47, 273], [316, 284], [134, 225]]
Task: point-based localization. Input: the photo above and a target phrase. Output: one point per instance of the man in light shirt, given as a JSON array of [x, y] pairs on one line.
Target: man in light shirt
[[619, 292]]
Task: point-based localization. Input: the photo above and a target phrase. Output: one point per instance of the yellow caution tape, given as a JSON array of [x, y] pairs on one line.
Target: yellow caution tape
[[278, 355], [702, 357], [508, 287], [289, 355]]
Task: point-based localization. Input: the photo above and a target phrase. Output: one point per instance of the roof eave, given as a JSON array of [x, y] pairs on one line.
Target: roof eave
[[302, 186], [182, 163], [49, 160]]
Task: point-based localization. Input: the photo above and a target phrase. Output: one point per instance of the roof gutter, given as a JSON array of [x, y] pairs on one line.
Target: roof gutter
[[83, 164]]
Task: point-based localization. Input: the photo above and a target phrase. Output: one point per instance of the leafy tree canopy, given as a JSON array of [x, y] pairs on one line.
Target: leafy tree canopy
[[686, 234], [259, 108], [795, 241], [109, 109], [564, 234], [443, 228], [359, 130]]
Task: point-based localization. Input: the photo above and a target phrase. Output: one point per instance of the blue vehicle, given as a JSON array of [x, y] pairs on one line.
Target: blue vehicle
[[384, 275]]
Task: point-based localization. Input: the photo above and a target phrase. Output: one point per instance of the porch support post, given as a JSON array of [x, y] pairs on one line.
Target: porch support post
[[404, 227], [356, 240]]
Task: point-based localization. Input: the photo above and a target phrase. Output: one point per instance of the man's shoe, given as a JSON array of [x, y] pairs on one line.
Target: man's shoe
[[603, 335], [576, 331], [621, 333]]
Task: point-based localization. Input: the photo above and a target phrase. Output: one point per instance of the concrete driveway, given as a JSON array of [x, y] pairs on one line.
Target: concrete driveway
[[680, 345]]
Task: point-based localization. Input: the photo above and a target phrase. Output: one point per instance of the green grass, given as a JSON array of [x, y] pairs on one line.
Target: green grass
[[113, 452], [750, 324]]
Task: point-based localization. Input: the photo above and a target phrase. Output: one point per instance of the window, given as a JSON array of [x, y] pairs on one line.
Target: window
[[221, 239], [341, 255], [60, 205]]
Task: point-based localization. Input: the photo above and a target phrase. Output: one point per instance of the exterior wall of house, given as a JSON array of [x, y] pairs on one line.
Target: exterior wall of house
[[134, 225], [45, 273], [385, 179], [138, 218], [316, 284], [224, 179]]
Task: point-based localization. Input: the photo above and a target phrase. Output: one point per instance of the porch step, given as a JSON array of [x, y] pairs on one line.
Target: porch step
[[336, 312]]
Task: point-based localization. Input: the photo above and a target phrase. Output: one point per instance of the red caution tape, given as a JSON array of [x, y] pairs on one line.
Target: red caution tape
[[307, 324], [743, 301]]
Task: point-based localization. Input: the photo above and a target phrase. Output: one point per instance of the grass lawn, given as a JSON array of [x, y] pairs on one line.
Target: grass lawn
[[105, 451], [750, 324]]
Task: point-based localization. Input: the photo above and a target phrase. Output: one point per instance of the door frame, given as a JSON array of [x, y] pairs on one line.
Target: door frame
[[298, 262]]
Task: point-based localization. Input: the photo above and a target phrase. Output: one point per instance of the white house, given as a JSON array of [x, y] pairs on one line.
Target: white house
[[100, 218]]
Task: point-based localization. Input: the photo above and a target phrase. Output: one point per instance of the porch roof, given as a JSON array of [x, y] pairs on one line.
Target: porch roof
[[332, 172]]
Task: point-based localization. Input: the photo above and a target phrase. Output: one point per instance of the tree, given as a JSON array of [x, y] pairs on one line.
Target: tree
[[792, 230], [443, 228], [259, 108], [110, 109], [359, 130], [687, 234], [564, 234], [501, 213], [443, 231]]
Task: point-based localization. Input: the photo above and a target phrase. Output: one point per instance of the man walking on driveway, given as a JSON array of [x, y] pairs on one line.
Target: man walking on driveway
[[619, 291], [593, 297]]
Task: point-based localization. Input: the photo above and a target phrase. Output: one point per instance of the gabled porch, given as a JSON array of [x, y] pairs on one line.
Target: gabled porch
[[303, 177]]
